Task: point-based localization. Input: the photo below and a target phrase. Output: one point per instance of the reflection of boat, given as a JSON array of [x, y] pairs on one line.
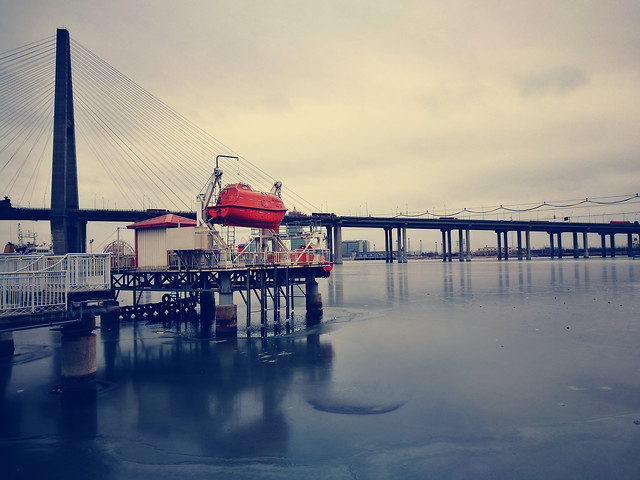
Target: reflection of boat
[[240, 206]]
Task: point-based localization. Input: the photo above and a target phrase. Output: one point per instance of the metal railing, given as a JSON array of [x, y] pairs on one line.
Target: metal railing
[[225, 259], [43, 283]]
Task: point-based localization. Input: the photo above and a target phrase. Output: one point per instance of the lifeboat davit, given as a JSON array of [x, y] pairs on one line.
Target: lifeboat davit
[[238, 205]]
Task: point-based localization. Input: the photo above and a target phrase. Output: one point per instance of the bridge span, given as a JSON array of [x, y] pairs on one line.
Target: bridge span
[[580, 231]]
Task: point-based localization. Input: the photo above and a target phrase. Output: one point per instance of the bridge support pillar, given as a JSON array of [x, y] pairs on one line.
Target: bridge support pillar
[[528, 243], [468, 245], [330, 242], [559, 244], [519, 232], [499, 245], [460, 245], [552, 246], [613, 245], [604, 245], [629, 245], [444, 245], [506, 246], [6, 344], [585, 244], [387, 254], [68, 234], [226, 310], [405, 248], [450, 253], [337, 244], [575, 245]]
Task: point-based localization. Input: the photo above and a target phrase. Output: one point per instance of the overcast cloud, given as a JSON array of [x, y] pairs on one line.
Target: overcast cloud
[[390, 104]]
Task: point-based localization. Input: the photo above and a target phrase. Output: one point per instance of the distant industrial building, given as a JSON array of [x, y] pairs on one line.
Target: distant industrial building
[[351, 247]]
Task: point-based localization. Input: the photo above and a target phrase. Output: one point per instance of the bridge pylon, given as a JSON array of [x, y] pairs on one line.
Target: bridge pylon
[[69, 235]]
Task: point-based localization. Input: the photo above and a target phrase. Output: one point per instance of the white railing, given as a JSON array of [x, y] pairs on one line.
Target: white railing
[[44, 283], [227, 260]]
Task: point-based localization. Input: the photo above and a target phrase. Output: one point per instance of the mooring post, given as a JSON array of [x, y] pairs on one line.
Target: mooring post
[[226, 310], [78, 358]]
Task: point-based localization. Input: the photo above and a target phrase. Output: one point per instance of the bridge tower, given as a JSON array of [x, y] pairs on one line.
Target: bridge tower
[[69, 235]]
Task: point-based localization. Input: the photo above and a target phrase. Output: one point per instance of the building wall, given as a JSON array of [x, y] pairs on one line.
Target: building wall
[[350, 247], [152, 247]]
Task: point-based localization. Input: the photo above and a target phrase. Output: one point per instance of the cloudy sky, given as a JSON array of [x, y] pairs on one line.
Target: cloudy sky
[[384, 106]]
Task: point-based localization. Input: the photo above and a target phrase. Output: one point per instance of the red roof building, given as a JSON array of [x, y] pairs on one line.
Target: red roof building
[[151, 238]]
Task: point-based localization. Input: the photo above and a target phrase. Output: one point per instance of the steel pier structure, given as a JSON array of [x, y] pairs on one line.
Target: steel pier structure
[[274, 287]]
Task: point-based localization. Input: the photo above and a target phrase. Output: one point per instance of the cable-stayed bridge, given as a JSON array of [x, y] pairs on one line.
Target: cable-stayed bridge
[[111, 139], [132, 148]]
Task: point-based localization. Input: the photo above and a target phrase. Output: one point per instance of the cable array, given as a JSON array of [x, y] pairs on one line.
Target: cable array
[[609, 201], [131, 146], [27, 77]]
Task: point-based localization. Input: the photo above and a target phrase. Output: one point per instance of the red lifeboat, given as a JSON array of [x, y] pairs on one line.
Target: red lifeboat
[[238, 205]]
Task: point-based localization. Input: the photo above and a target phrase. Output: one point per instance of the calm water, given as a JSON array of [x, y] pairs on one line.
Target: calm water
[[422, 370]]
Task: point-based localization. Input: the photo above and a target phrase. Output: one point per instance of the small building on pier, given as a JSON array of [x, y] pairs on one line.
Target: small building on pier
[[151, 238]]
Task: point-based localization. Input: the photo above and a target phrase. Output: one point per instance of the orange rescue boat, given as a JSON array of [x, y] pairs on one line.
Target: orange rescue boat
[[239, 205]]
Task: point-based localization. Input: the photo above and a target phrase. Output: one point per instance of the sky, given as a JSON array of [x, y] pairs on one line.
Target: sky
[[379, 107]]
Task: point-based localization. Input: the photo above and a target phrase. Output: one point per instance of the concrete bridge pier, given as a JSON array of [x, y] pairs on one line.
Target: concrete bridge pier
[[226, 310], [528, 243], [552, 245], [450, 253], [585, 244], [388, 249], [6, 344], [519, 232], [629, 245], [330, 241], [559, 244], [468, 244], [506, 245], [460, 245], [575, 245], [499, 244], [337, 244], [612, 241]]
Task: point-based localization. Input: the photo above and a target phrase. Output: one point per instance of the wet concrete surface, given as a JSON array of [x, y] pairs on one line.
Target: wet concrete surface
[[420, 370]]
